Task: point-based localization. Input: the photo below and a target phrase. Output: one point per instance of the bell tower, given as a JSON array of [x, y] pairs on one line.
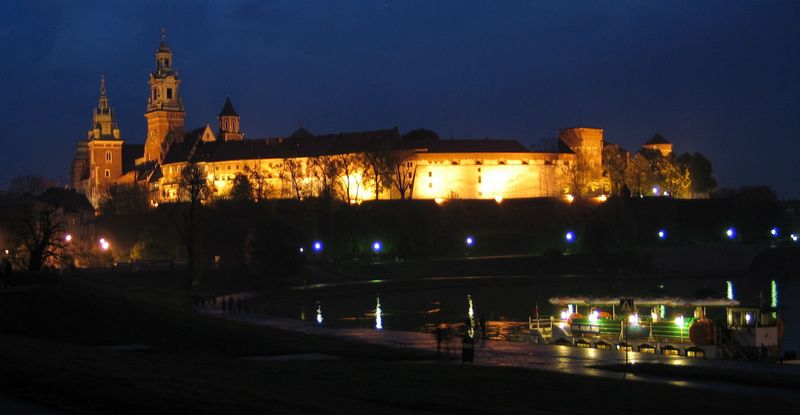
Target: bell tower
[[102, 151], [165, 115]]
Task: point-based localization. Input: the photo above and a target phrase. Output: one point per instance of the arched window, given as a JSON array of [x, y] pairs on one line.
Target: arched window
[[108, 156]]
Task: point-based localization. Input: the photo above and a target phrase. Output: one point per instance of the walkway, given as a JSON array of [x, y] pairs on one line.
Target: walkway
[[563, 359]]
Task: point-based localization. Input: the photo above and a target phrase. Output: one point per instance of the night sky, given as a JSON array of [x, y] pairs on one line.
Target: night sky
[[721, 78]]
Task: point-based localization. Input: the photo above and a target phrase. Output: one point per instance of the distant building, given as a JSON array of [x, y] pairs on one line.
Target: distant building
[[292, 166]]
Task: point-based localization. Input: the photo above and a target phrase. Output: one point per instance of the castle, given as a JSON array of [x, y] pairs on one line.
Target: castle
[[299, 165]]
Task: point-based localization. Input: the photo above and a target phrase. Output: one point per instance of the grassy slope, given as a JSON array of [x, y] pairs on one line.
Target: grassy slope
[[47, 356]]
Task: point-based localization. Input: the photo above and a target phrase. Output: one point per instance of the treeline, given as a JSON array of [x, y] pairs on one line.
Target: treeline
[[265, 237]]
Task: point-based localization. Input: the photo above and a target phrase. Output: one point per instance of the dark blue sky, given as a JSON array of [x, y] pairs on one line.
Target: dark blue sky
[[720, 78]]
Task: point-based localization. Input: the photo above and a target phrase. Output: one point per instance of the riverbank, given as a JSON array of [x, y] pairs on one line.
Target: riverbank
[[54, 352]]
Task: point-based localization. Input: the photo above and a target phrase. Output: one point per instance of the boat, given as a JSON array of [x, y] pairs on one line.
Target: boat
[[718, 328]]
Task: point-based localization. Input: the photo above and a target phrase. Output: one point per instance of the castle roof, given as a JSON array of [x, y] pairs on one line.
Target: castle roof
[[67, 199], [657, 139], [297, 145], [228, 110], [470, 146]]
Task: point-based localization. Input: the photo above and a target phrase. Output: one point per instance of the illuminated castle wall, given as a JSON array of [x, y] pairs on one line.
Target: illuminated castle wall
[[439, 169]]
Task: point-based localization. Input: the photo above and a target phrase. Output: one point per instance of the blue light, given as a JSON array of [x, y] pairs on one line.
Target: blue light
[[730, 233], [774, 232], [662, 234], [317, 246], [470, 241], [376, 246], [570, 236]]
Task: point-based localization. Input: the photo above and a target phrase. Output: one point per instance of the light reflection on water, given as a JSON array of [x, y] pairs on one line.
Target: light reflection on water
[[507, 302]]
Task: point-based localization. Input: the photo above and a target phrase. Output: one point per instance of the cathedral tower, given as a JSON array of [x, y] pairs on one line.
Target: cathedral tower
[[164, 106], [229, 123], [103, 149]]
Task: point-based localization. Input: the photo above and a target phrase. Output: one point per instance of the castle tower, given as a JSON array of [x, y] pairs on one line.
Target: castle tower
[[229, 123], [103, 149], [660, 144], [587, 144], [164, 106]]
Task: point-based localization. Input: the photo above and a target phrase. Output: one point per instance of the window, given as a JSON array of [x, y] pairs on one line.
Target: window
[[430, 174], [108, 156], [410, 175], [169, 93], [479, 179], [409, 164], [166, 62], [108, 173]]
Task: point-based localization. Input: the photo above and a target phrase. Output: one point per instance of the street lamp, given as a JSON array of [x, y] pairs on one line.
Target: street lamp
[[662, 234], [570, 236], [376, 247], [317, 246], [469, 241]]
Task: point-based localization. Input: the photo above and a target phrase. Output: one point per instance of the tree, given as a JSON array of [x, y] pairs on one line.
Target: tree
[[193, 189], [404, 172], [40, 233], [294, 173], [242, 188], [125, 200], [259, 184], [579, 177], [351, 167], [638, 174], [30, 185], [700, 170], [326, 171], [615, 161], [675, 178], [378, 162]]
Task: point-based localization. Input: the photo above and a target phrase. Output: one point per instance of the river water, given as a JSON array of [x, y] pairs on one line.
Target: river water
[[507, 302]]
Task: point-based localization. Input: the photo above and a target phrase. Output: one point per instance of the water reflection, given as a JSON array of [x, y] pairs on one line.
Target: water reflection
[[729, 289], [378, 314], [471, 314], [319, 313]]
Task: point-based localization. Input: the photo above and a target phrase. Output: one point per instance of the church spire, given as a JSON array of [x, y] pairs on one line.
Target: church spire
[[104, 127], [164, 113]]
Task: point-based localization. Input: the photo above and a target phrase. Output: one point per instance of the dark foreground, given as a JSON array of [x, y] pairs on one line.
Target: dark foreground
[[54, 353]]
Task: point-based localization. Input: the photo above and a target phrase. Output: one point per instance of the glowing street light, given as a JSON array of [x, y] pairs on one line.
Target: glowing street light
[[794, 237], [317, 246], [376, 247], [633, 319], [775, 232], [662, 234], [68, 238], [470, 241], [302, 250], [570, 237], [104, 245], [730, 233], [679, 321]]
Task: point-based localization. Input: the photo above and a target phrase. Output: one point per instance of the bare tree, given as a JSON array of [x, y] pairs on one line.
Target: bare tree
[[193, 189], [404, 172], [378, 162], [40, 233], [326, 171], [578, 177], [351, 167], [294, 173], [638, 174]]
